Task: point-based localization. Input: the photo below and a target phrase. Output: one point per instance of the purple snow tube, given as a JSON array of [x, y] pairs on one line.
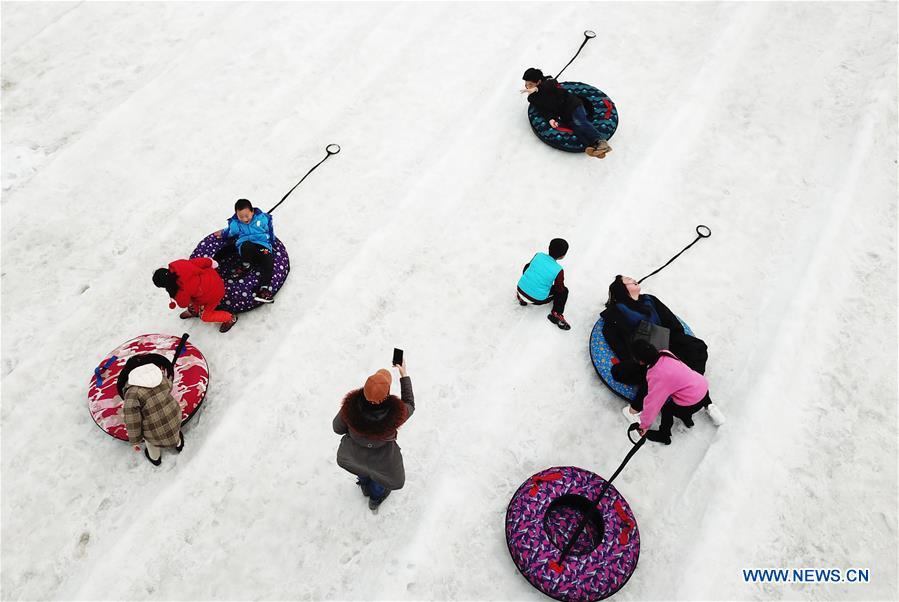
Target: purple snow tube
[[239, 289], [540, 520]]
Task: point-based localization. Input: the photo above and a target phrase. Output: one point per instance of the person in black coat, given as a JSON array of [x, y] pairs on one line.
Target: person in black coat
[[625, 309], [559, 106]]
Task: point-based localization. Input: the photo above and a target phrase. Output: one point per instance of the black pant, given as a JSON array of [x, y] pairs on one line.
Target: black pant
[[629, 372], [685, 413], [558, 297], [257, 255]]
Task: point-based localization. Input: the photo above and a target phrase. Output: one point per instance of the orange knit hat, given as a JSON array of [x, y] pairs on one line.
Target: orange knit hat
[[377, 387]]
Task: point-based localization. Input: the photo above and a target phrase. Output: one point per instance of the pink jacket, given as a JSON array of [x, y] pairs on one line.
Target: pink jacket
[[670, 377]]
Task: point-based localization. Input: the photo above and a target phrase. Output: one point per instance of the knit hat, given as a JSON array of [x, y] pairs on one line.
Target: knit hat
[[161, 277], [377, 387], [532, 74], [558, 247], [148, 375]]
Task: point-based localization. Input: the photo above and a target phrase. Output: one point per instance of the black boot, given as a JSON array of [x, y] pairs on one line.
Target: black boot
[[151, 460], [180, 445], [659, 437], [374, 503]]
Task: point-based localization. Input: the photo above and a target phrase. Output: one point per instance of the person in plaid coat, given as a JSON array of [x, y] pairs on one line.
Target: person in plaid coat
[[151, 413]]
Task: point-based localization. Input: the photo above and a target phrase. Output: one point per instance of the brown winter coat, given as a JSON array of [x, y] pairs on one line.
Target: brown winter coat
[[152, 414], [368, 447]]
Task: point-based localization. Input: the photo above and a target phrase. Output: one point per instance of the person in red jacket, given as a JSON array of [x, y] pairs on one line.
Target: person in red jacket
[[195, 285]]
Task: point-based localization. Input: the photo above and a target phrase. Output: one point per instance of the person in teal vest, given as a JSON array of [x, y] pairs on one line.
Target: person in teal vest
[[253, 237], [543, 281]]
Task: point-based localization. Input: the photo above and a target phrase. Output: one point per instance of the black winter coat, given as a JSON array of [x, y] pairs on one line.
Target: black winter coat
[[553, 101], [618, 334]]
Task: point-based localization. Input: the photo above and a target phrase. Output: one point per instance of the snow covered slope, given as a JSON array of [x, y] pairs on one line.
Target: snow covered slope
[[130, 129]]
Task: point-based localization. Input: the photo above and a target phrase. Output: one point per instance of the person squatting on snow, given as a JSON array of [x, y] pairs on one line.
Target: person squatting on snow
[[625, 309], [151, 413], [559, 106], [194, 284], [368, 420], [543, 281], [674, 389], [254, 237]]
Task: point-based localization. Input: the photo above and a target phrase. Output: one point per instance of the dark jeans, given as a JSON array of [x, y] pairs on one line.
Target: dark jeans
[[583, 128], [377, 490], [629, 372], [257, 255], [558, 297], [685, 413]]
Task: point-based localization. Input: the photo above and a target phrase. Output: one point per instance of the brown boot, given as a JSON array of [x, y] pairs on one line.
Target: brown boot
[[226, 326], [591, 150], [189, 313], [602, 149]]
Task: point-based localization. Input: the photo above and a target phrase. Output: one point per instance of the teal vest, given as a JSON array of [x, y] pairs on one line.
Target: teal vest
[[538, 279]]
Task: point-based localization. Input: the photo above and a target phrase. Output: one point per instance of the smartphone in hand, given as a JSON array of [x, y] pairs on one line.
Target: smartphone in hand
[[397, 357]]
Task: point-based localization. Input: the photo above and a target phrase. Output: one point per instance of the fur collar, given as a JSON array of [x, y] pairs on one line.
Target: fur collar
[[375, 422]]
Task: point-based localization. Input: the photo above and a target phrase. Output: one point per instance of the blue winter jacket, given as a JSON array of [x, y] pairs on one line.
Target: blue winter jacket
[[259, 230], [538, 279]]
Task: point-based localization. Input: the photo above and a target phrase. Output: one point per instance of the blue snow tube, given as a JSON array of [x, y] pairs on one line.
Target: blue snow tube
[[604, 358], [600, 109]]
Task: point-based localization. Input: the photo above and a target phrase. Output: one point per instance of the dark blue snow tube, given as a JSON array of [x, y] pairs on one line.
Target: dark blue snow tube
[[600, 109], [239, 289], [604, 358]]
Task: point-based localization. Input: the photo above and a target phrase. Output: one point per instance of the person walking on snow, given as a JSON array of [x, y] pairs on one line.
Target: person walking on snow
[[560, 107], [674, 390], [543, 281], [195, 285], [254, 237], [150, 411], [368, 420]]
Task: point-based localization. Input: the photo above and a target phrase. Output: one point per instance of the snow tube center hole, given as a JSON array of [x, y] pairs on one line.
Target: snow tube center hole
[[564, 515]]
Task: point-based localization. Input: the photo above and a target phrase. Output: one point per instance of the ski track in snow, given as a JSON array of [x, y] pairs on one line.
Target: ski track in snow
[[128, 131]]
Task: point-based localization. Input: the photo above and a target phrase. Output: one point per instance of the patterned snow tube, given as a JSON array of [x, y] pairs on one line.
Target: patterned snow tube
[[543, 515], [605, 119], [604, 358], [239, 290], [191, 380]]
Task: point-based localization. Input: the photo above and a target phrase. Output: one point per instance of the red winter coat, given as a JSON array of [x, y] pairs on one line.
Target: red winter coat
[[198, 282]]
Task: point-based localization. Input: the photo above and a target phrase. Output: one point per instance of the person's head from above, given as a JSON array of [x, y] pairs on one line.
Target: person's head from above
[[161, 277], [532, 77], [244, 210], [645, 353], [623, 289], [558, 248], [377, 387]]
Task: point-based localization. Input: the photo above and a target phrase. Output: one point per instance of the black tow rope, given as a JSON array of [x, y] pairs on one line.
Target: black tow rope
[[588, 35], [701, 232], [331, 149], [180, 348], [557, 565]]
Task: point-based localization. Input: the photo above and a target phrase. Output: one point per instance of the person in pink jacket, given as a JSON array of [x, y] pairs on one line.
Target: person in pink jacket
[[674, 389]]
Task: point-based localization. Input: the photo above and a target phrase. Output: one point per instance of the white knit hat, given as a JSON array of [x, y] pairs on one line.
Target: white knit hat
[[148, 375]]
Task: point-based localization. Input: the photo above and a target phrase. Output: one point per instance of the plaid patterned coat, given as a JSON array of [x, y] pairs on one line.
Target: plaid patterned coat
[[152, 414]]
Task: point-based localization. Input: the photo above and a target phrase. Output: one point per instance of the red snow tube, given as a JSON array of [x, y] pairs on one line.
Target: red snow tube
[[191, 380]]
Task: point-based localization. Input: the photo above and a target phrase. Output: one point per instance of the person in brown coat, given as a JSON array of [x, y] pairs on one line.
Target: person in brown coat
[[151, 413], [368, 420]]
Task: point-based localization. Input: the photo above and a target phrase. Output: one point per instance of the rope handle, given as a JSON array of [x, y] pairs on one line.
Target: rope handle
[[98, 371]]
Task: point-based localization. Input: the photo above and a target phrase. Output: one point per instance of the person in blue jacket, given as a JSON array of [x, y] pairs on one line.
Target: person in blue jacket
[[252, 229], [543, 281]]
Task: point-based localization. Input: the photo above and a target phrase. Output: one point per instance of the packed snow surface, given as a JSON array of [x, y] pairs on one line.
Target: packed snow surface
[[129, 130]]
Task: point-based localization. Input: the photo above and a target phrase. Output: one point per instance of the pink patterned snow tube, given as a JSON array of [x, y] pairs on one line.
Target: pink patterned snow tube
[[191, 380], [541, 519]]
